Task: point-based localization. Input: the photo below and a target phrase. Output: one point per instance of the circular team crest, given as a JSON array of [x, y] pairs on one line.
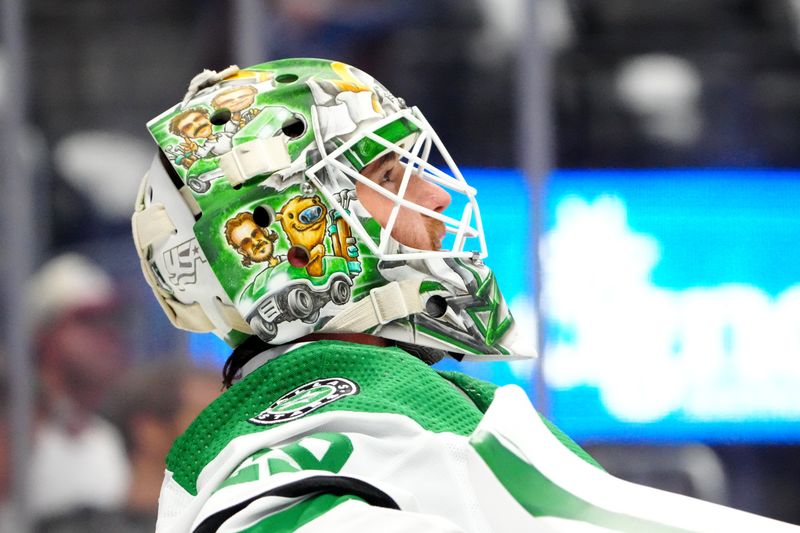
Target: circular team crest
[[304, 399]]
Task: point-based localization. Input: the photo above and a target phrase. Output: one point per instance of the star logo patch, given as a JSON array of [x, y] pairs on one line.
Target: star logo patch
[[305, 399]]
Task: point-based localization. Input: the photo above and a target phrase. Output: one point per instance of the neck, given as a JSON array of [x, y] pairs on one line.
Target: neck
[[247, 353], [358, 338]]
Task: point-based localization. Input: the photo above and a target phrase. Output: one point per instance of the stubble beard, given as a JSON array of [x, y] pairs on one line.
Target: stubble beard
[[434, 228]]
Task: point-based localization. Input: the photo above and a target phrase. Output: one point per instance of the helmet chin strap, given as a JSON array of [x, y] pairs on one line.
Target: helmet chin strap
[[426, 354], [382, 305]]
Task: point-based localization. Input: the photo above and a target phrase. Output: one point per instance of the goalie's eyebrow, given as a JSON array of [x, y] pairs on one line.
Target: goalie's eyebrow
[[378, 166], [384, 160]]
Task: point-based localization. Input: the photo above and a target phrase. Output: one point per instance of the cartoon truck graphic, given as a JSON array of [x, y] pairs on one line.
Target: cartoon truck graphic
[[290, 293]]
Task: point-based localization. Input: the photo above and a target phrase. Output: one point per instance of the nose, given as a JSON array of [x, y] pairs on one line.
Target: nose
[[430, 195]]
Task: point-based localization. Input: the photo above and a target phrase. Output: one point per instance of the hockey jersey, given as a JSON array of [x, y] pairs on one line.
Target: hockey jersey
[[334, 436]]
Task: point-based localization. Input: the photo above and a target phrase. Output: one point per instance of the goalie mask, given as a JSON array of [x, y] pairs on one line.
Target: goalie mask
[[300, 196]]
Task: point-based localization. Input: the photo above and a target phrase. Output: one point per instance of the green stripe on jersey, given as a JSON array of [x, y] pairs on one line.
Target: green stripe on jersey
[[482, 394], [542, 497]]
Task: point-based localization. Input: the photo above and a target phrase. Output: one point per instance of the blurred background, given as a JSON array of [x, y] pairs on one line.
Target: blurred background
[[646, 150]]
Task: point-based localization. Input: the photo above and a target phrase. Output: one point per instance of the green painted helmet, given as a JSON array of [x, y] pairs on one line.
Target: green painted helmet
[[249, 220]]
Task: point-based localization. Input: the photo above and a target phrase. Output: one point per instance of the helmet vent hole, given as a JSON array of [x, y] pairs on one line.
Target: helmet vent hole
[[220, 116], [286, 78], [436, 306], [293, 128], [263, 216]]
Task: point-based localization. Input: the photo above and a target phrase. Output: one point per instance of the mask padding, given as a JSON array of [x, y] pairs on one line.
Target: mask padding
[[170, 170]]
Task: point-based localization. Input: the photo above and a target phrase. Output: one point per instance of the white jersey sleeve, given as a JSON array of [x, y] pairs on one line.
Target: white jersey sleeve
[[327, 513], [358, 516]]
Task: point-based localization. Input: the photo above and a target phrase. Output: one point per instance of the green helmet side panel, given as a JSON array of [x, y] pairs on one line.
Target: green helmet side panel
[[283, 94]]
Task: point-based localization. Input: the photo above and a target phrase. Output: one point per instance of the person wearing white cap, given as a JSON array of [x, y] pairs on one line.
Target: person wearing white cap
[[78, 459]]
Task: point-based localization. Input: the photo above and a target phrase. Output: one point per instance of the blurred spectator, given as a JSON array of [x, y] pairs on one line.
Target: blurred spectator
[[664, 92], [73, 158], [7, 517], [78, 459], [728, 75], [152, 406]]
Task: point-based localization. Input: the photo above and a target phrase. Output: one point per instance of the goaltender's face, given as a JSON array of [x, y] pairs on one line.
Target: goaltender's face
[[195, 125], [411, 228]]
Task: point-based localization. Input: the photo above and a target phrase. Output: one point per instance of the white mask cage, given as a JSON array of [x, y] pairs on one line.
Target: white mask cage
[[465, 237]]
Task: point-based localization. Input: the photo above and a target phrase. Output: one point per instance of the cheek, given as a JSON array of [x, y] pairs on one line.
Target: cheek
[[378, 205], [409, 227]]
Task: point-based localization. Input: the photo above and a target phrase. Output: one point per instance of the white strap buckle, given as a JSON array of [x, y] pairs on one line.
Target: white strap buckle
[[259, 156], [388, 303]]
